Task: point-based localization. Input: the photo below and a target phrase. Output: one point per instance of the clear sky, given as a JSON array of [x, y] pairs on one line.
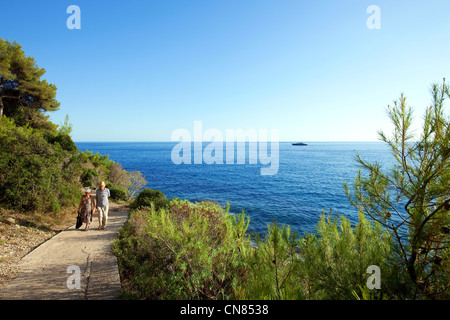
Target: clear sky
[[138, 70]]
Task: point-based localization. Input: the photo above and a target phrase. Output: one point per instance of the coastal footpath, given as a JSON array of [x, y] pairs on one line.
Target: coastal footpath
[[50, 271]]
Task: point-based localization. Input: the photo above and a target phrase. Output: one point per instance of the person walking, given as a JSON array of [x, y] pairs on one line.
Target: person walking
[[102, 205], [86, 207]]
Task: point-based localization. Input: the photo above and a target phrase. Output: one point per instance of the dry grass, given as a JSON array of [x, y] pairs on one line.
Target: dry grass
[[20, 233]]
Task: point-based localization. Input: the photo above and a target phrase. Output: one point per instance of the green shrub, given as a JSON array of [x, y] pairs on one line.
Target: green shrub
[[188, 251], [89, 177], [35, 175], [200, 251], [273, 265], [97, 169], [331, 264], [117, 193], [40, 165], [149, 197], [334, 262], [143, 261], [63, 139]]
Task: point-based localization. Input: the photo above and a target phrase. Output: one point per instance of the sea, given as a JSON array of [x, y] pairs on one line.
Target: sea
[[308, 182]]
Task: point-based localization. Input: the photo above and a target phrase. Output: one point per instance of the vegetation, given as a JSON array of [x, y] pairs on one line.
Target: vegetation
[[335, 261], [42, 169], [36, 174], [118, 177], [187, 251], [149, 198], [117, 194], [201, 251], [24, 97], [174, 249], [412, 200]]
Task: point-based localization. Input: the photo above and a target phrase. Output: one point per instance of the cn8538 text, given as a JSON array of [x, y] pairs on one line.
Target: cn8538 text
[[246, 309]]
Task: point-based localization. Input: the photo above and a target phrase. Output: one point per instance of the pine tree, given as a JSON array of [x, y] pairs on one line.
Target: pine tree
[[23, 95], [412, 199]]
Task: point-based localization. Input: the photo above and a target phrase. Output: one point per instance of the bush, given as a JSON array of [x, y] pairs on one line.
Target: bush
[[412, 198], [334, 262], [273, 267], [40, 164], [64, 140], [200, 251], [147, 197], [117, 194], [118, 176], [188, 251], [35, 175], [89, 177], [329, 265], [142, 260]]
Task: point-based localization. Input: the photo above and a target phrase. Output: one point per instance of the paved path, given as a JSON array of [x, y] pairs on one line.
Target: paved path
[[44, 271]]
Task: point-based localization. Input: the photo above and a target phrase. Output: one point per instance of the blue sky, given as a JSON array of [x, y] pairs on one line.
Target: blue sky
[[138, 70]]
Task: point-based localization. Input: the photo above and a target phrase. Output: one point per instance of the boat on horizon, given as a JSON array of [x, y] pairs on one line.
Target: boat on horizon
[[299, 144]]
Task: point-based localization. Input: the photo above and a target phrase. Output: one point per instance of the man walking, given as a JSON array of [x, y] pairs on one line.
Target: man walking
[[102, 205]]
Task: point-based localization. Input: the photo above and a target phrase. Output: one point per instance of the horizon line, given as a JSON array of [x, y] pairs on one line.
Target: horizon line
[[286, 141]]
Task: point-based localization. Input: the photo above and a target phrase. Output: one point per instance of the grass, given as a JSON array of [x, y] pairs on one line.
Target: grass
[[54, 221]]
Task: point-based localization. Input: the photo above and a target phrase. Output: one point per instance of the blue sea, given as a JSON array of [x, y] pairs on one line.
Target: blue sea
[[309, 179]]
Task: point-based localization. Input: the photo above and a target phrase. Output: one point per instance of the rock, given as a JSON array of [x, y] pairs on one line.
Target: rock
[[11, 220]]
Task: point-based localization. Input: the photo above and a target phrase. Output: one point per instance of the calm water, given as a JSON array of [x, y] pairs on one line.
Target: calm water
[[308, 181]]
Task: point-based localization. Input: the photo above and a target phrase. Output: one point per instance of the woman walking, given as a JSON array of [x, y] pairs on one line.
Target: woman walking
[[86, 206]]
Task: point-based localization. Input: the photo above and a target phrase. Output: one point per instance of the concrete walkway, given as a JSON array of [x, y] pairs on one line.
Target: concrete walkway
[[49, 271]]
